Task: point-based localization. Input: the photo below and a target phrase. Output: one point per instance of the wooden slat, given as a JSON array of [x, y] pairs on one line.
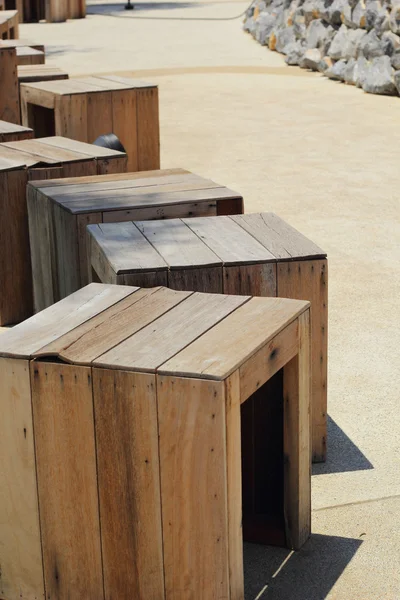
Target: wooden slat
[[35, 73], [29, 56], [71, 116], [205, 208], [282, 240], [112, 328], [178, 245], [41, 329], [172, 332], [207, 279], [64, 254], [20, 548], [9, 94], [229, 241], [308, 280], [124, 124], [252, 280], [84, 259], [45, 151], [148, 129], [297, 447], [81, 148], [10, 132], [129, 484], [99, 115], [125, 248], [223, 349], [234, 486], [67, 480], [192, 431]]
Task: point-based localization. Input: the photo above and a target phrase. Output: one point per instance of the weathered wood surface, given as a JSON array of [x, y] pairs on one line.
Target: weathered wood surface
[[9, 93], [9, 24], [29, 56], [11, 132], [129, 497]]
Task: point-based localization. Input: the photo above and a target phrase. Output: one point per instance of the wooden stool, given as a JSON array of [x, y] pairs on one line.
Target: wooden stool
[[135, 453], [9, 132], [83, 109], [76, 203], [20, 162], [257, 254]]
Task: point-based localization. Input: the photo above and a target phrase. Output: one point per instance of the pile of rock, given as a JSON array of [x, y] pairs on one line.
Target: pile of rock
[[354, 41]]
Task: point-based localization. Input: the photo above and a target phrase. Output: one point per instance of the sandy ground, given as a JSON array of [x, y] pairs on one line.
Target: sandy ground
[[324, 156]]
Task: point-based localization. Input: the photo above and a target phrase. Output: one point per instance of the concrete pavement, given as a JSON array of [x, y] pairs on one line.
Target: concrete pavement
[[324, 156]]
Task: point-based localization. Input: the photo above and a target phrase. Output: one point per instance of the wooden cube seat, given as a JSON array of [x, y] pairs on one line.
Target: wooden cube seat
[[10, 132], [256, 254], [125, 438], [85, 108], [29, 56], [20, 162], [68, 206]]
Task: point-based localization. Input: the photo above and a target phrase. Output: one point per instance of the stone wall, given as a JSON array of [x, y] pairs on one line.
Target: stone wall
[[348, 40]]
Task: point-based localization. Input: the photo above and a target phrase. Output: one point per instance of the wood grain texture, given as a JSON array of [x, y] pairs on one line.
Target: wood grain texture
[[11, 132], [67, 480], [234, 486], [70, 115], [129, 484], [125, 126], [9, 93], [148, 129], [205, 208], [207, 279], [193, 487], [308, 280], [297, 446], [82, 222], [252, 280], [20, 548]]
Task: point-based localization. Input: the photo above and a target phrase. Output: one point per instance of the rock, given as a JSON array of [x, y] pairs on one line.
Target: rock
[[335, 12], [338, 43], [396, 78], [349, 72], [311, 59], [391, 42], [371, 46], [264, 27], [353, 42], [395, 60], [379, 79], [337, 71], [373, 11], [347, 16], [358, 14], [312, 10], [319, 35], [325, 64], [394, 21], [250, 25], [272, 41], [294, 53], [361, 69], [284, 37], [382, 22]]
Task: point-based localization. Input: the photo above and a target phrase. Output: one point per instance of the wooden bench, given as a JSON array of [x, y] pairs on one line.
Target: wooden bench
[[131, 476], [255, 254], [20, 162], [9, 24], [10, 132], [72, 204], [85, 108]]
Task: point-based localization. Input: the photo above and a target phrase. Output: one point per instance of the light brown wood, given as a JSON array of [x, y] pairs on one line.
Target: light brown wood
[[84, 264], [148, 129], [35, 73], [234, 485], [297, 447], [9, 95], [129, 484], [29, 56], [70, 115], [125, 125], [308, 280], [11, 132], [172, 211], [67, 480], [254, 280], [20, 548], [193, 487]]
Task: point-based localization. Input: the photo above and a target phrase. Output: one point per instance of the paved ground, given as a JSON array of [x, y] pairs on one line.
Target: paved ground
[[324, 156]]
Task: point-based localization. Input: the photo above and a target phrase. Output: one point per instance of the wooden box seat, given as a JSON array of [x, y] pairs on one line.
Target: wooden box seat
[[122, 427], [20, 162], [10, 132], [256, 254]]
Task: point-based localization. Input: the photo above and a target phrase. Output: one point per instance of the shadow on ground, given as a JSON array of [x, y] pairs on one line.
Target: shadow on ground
[[99, 9], [309, 574], [343, 455]]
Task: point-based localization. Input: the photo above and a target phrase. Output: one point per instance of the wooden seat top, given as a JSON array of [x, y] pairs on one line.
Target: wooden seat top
[[152, 330], [132, 190], [43, 73], [199, 242], [7, 15], [9, 128], [53, 151], [85, 85], [21, 43], [23, 51]]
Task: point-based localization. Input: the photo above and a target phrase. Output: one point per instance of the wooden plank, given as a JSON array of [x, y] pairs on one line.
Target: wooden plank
[[252, 280], [229, 241], [71, 116], [171, 211], [282, 240], [9, 94], [112, 329], [223, 349], [56, 11], [46, 152], [124, 125], [129, 484], [82, 148], [297, 446], [29, 56], [156, 343], [148, 129], [83, 250], [20, 548], [67, 480], [231, 206], [35, 73], [114, 164], [146, 279], [308, 280], [65, 254], [99, 115], [79, 168], [177, 244], [234, 486], [60, 318], [10, 132], [207, 279], [263, 365], [125, 248], [193, 487]]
